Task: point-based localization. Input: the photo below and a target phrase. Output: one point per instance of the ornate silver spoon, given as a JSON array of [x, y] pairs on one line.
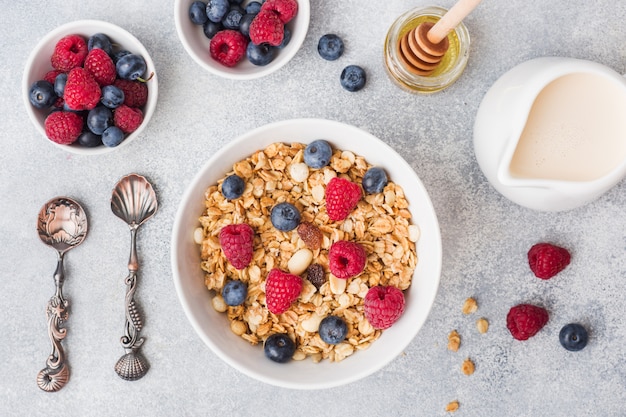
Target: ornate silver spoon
[[62, 224], [133, 201]]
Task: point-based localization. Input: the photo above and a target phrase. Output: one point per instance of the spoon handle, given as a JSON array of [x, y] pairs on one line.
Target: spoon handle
[[56, 373]]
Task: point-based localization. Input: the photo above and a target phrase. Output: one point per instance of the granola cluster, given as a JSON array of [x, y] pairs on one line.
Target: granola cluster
[[381, 223]]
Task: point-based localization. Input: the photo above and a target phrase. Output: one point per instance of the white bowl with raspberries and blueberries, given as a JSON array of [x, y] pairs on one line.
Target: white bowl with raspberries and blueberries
[[242, 39], [90, 87], [306, 254]]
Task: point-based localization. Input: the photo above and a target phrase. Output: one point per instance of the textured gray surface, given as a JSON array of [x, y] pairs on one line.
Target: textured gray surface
[[485, 237]]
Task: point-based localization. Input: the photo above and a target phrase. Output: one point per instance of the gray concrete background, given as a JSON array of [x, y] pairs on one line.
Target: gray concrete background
[[485, 237]]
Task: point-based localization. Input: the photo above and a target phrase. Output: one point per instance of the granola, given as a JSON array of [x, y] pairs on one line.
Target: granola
[[381, 223]]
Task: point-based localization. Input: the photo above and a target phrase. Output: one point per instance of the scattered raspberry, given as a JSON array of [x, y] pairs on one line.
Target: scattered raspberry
[[228, 47], [346, 259], [547, 260], [342, 196], [525, 320], [63, 127], [267, 27], [128, 119], [281, 289], [285, 9], [383, 306], [316, 275], [82, 92], [100, 65], [311, 235], [52, 75], [69, 52], [135, 92], [237, 241]]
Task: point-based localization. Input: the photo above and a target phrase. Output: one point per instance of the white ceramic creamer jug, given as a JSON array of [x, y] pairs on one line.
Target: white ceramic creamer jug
[[550, 134]]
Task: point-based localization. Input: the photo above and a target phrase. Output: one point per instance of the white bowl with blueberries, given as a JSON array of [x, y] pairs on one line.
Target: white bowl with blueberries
[[271, 361], [242, 39], [90, 87]]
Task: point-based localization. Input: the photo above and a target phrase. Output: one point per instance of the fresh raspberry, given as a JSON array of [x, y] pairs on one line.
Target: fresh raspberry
[[128, 119], [525, 320], [228, 47], [82, 92], [52, 75], [63, 127], [383, 306], [342, 196], [311, 235], [316, 275], [285, 9], [135, 92], [100, 66], [281, 289], [346, 259], [237, 241], [267, 27], [69, 52], [546, 260]]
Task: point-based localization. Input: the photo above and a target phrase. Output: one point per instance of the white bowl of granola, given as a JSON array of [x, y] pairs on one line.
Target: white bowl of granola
[[263, 157]]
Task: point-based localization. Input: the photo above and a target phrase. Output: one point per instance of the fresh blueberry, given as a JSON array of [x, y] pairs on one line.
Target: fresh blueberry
[[99, 119], [374, 180], [112, 137], [330, 47], [112, 96], [59, 84], [211, 28], [279, 347], [352, 78], [236, 2], [197, 13], [232, 19], [285, 216], [89, 139], [115, 56], [100, 40], [234, 292], [42, 94], [244, 24], [333, 330], [260, 55], [286, 38], [131, 67], [317, 154], [217, 9], [233, 187], [573, 337], [253, 7]]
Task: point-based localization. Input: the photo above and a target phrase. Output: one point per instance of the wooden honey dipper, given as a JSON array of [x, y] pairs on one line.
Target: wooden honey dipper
[[422, 48]]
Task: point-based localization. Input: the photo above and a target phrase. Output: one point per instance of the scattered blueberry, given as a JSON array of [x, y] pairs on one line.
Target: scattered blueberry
[[253, 7], [233, 187], [211, 28], [59, 84], [330, 47], [244, 24], [333, 330], [353, 78], [374, 180], [234, 292], [197, 13], [115, 56], [286, 38], [261, 54], [279, 347], [89, 139], [232, 19], [131, 67], [99, 119], [285, 216], [317, 154], [573, 337], [217, 9], [112, 137], [42, 94], [100, 40], [112, 96]]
